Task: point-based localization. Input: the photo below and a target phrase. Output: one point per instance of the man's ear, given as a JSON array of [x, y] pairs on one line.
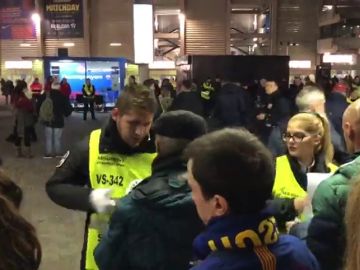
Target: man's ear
[[115, 114], [220, 206], [348, 131]]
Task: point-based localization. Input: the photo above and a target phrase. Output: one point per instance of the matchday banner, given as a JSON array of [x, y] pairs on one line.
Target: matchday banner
[[64, 19], [15, 19]]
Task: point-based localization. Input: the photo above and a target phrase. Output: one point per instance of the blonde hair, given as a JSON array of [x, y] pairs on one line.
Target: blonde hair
[[316, 124], [353, 228]]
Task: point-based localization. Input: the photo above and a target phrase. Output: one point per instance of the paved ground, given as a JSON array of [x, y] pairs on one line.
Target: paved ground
[[60, 230]]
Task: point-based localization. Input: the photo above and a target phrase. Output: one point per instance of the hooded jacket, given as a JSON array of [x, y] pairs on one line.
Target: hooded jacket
[[250, 242], [154, 225], [326, 233]]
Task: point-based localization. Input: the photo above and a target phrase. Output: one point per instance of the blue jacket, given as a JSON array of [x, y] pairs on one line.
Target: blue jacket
[[153, 227], [250, 243]]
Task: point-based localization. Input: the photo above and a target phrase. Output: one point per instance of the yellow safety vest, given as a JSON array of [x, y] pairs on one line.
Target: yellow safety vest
[[88, 90], [119, 172], [286, 186]]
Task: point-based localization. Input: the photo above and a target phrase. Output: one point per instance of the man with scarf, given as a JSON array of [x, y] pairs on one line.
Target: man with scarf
[[231, 176]]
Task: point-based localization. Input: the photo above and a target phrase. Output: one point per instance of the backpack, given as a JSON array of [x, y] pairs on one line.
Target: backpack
[[46, 113]]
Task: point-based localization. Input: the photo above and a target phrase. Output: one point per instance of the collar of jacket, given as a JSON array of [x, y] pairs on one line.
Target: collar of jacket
[[111, 142], [300, 175], [168, 163], [234, 232], [166, 179], [319, 165]]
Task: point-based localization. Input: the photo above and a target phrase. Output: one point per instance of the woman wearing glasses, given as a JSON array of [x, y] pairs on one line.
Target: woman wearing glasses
[[309, 149]]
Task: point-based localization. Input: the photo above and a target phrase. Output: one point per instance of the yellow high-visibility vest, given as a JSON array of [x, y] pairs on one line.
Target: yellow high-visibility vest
[[89, 90], [119, 172], [286, 186]]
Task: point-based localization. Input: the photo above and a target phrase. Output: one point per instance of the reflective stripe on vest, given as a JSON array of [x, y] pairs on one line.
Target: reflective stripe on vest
[[286, 186], [205, 95], [89, 90], [121, 173]]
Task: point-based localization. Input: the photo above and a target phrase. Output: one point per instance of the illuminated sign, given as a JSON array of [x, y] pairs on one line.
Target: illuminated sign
[[300, 64], [18, 65], [143, 34], [339, 58], [162, 65]]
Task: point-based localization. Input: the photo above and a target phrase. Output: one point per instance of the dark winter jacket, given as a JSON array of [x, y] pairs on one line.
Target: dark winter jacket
[[61, 108], [277, 110], [326, 233], [252, 243], [188, 101], [335, 106], [231, 107], [69, 186], [290, 94], [153, 226]]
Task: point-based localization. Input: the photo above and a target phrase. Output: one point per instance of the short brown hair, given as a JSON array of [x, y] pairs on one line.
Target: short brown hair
[[136, 97], [233, 163]]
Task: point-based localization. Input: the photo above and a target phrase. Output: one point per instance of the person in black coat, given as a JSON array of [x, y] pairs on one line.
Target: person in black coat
[[187, 100], [231, 107], [292, 92], [273, 117], [54, 129]]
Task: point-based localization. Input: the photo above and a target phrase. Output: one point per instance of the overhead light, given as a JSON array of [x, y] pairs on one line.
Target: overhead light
[[25, 45], [255, 45], [358, 26], [36, 17], [300, 64], [328, 7], [344, 26], [255, 39], [69, 44], [114, 44]]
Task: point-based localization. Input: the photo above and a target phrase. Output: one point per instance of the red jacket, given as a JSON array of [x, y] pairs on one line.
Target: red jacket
[[65, 89], [36, 88], [23, 103]]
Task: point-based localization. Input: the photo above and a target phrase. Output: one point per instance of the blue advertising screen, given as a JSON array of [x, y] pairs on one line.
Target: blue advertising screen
[[74, 72], [104, 75]]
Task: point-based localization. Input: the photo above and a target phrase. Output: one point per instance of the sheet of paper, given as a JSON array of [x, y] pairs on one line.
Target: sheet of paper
[[314, 179]]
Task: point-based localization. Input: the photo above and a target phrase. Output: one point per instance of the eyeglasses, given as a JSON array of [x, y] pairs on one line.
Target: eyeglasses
[[297, 137]]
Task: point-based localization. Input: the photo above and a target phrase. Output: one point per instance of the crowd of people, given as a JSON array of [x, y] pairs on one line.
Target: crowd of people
[[213, 176]]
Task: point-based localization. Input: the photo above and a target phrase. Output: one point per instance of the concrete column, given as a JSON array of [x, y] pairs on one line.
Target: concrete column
[[274, 25], [143, 72]]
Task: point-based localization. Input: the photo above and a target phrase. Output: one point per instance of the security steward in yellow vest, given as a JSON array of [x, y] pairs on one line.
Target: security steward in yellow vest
[[291, 182], [88, 92], [106, 166], [207, 95]]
